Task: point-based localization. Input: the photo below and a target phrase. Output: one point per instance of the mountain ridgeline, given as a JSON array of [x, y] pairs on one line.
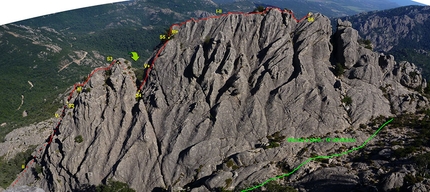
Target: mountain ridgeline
[[54, 51], [223, 95]]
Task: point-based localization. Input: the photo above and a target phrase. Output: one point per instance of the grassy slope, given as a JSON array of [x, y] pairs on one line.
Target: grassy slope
[[18, 67]]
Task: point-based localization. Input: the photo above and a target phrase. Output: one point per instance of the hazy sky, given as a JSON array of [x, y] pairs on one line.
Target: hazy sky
[[405, 2], [13, 11]]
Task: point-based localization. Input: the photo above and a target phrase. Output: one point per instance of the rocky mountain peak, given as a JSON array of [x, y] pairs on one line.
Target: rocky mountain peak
[[221, 97]]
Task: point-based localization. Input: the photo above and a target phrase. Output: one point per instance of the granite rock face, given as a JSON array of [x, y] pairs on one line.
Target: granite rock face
[[19, 140], [219, 90], [371, 72]]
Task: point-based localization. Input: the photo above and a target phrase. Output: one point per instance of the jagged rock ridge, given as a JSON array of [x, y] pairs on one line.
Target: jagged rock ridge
[[217, 90]]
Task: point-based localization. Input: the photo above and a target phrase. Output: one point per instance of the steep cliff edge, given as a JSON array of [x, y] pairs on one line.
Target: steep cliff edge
[[221, 97]]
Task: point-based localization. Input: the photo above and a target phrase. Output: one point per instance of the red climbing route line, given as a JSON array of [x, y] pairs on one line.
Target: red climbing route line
[[88, 78], [76, 85], [206, 18], [51, 137], [152, 64]]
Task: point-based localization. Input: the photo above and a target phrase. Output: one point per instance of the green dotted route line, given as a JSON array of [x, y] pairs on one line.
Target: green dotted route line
[[320, 157]]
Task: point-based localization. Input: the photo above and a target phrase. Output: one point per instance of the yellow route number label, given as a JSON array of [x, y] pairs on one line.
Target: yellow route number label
[[71, 105], [146, 65], [164, 37], [57, 115], [174, 31], [109, 58], [218, 11], [79, 89], [138, 95]]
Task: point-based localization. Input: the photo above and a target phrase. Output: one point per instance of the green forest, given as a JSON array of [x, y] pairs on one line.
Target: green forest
[[9, 169], [21, 64], [18, 68]]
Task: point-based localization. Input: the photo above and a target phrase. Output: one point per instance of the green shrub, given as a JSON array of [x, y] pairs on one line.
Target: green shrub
[[347, 100], [108, 73], [199, 169], [272, 144], [139, 74], [427, 90], [285, 168], [302, 151], [259, 9], [410, 179], [79, 139], [228, 182], [422, 161], [383, 89], [230, 163], [235, 167], [413, 74], [367, 42], [395, 143], [274, 186], [36, 170], [274, 140], [403, 152], [364, 157], [321, 160], [276, 137], [369, 47], [87, 89], [207, 40], [338, 70], [114, 186], [364, 41], [381, 119], [221, 189]]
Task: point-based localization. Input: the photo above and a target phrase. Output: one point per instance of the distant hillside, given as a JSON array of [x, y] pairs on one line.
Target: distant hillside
[[405, 2], [37, 64], [403, 32], [332, 8], [47, 51], [117, 29]]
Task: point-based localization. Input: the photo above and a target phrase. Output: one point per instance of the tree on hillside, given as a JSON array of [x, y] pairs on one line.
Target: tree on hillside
[[259, 9], [338, 70]]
